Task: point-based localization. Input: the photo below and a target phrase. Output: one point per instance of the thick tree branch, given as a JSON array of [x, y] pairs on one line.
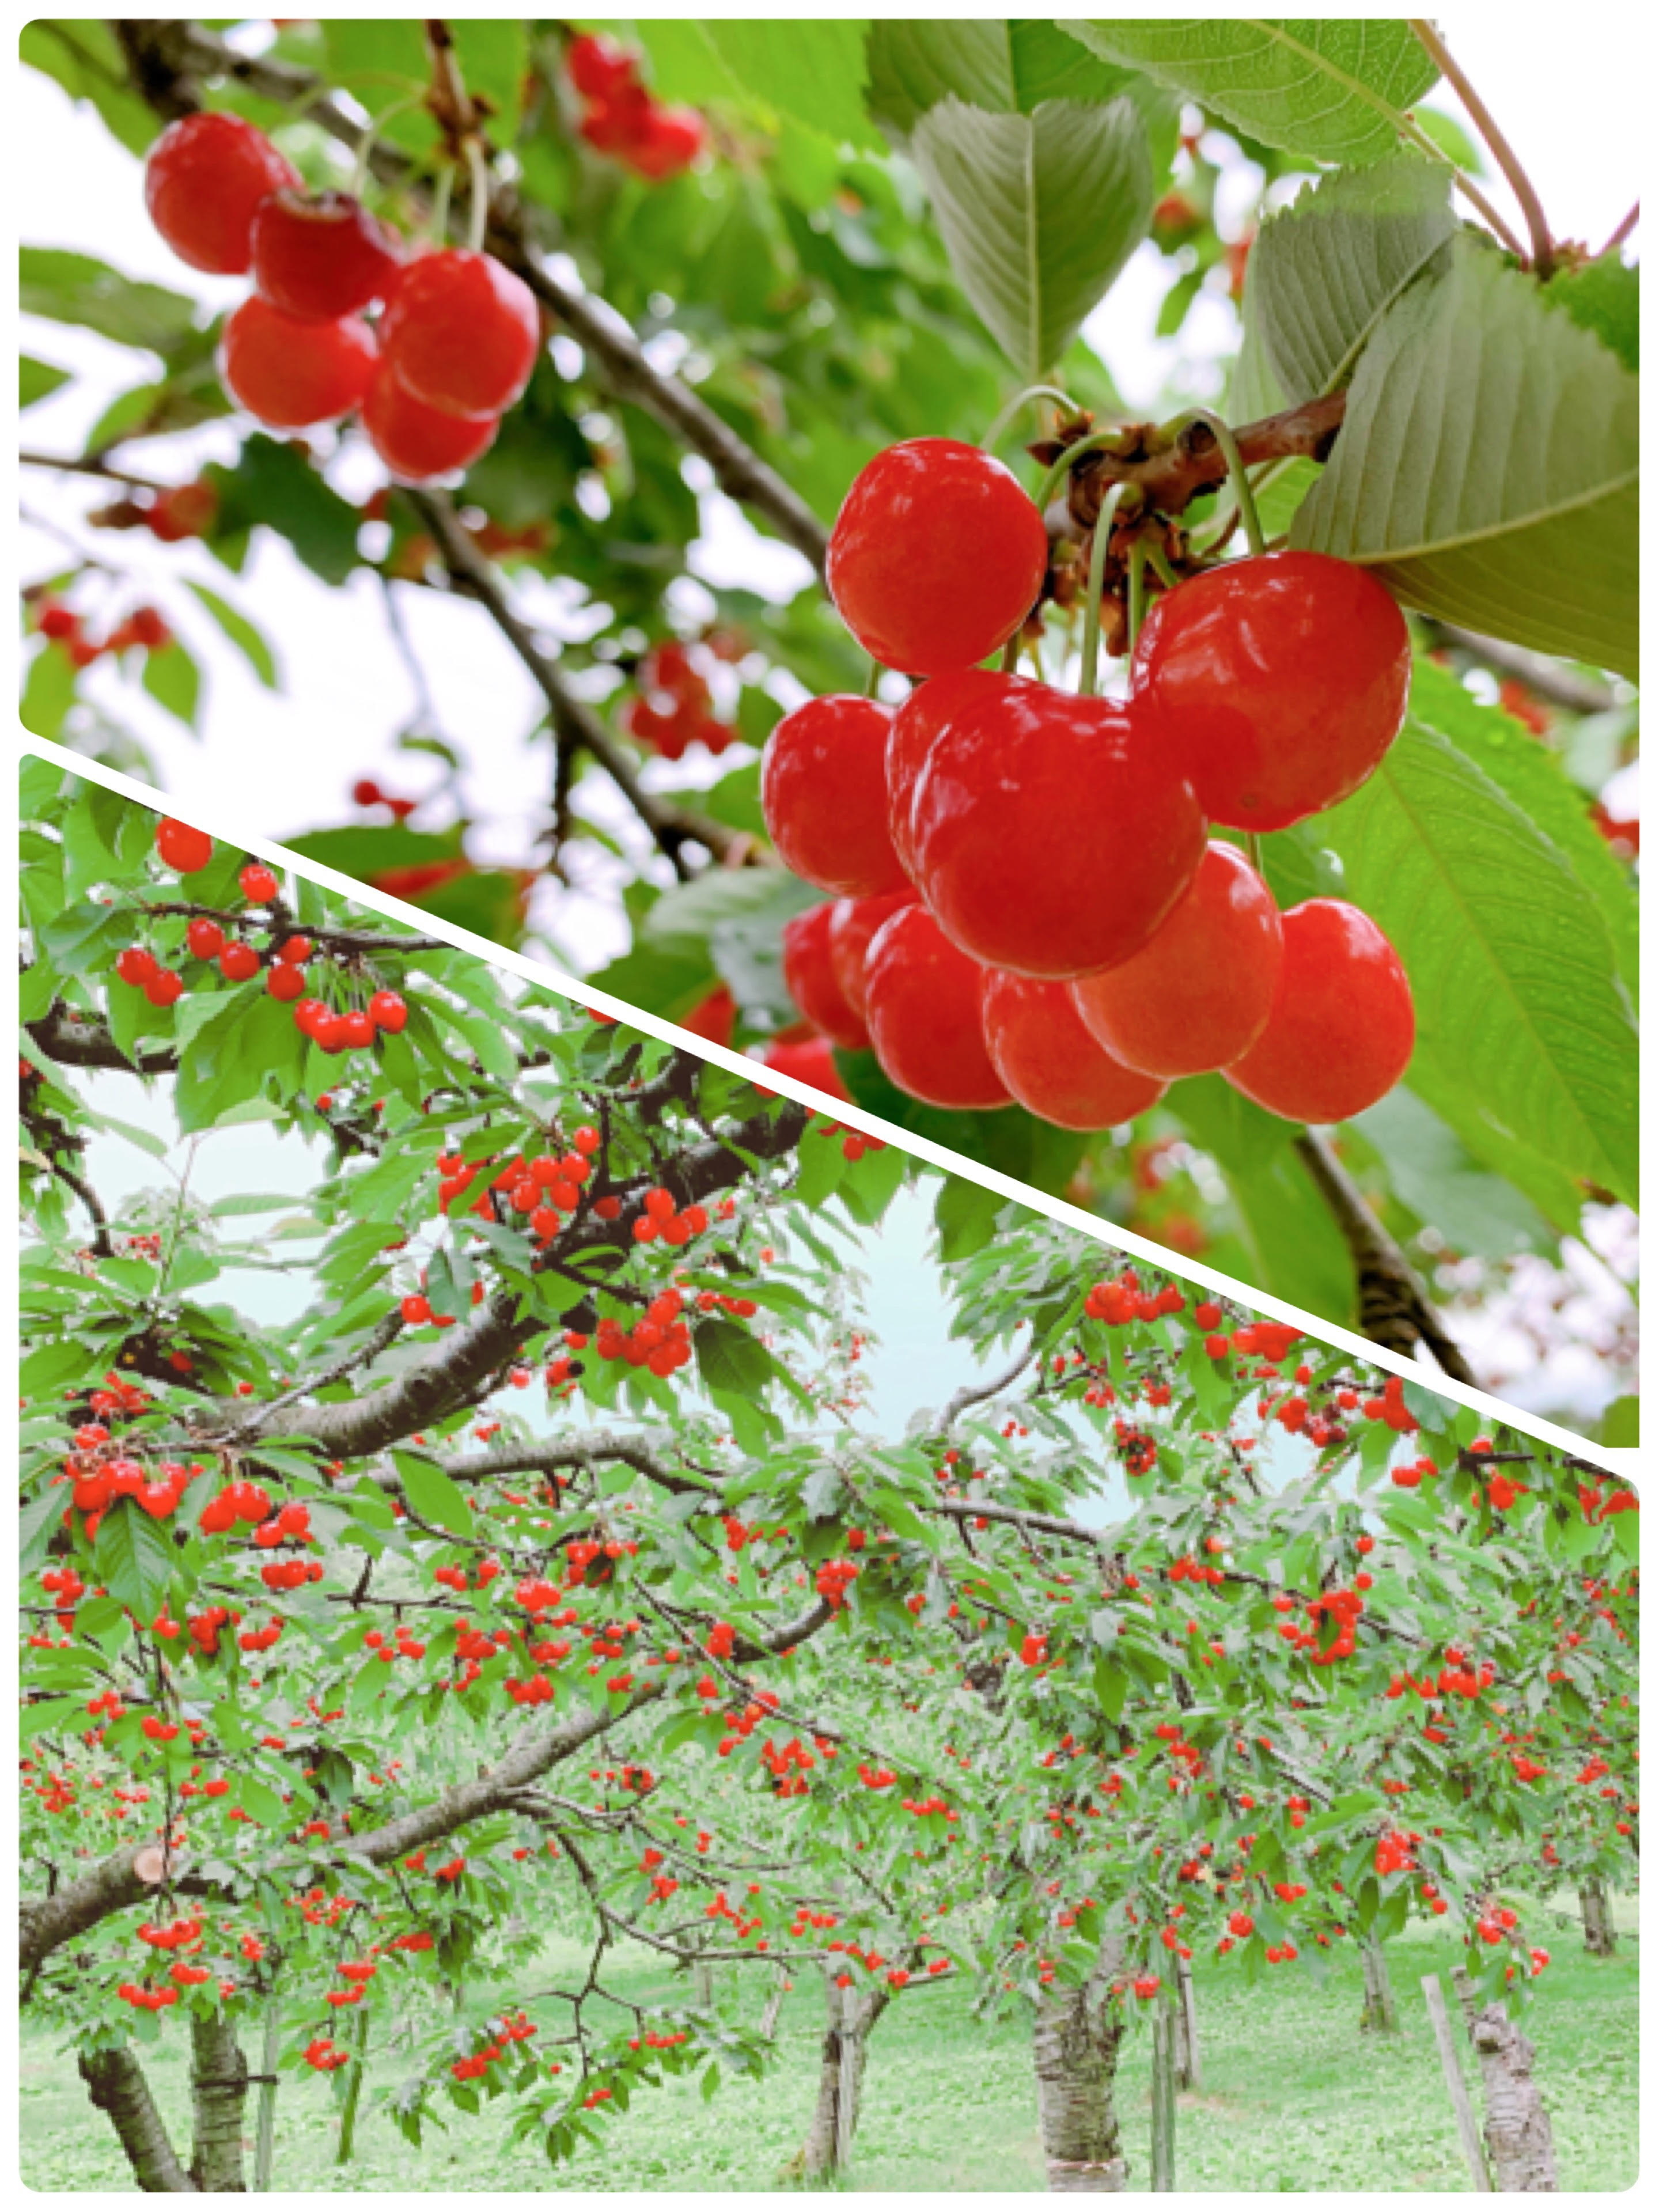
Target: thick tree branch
[[77, 1040], [604, 1448], [1170, 472], [1551, 679], [115, 2080], [1395, 1310]]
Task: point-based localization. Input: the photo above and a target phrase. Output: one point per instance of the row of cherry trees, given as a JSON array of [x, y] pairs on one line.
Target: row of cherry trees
[[546, 1570]]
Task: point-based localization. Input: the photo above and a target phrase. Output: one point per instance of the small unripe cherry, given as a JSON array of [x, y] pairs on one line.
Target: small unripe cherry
[[823, 791], [810, 978], [922, 1003], [418, 442], [320, 257], [462, 333], [184, 850], [238, 961], [1042, 1050], [1342, 1027], [291, 375], [205, 178]]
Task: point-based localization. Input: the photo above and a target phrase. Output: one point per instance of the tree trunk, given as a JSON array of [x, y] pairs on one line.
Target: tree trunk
[[116, 2083], [1599, 1941], [1379, 2015], [353, 2092], [1190, 2062], [1166, 2032], [769, 2025], [842, 2057], [1519, 2142], [219, 2092], [1074, 2048], [265, 2134]]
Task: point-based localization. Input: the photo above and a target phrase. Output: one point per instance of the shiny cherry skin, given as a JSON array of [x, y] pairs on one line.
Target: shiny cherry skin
[[917, 725], [417, 442], [853, 923], [809, 1060], [1198, 994], [205, 179], [462, 333], [1340, 1033], [290, 374], [321, 257], [823, 792], [936, 556], [809, 976], [1040, 1048], [599, 65], [669, 140], [184, 850], [1280, 682], [921, 1001], [1050, 836]]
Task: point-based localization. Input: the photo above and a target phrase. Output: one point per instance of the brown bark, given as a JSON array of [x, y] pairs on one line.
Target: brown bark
[[116, 2083], [842, 2057], [1519, 2141], [1378, 2014], [1074, 2049], [1600, 1940], [219, 2095]]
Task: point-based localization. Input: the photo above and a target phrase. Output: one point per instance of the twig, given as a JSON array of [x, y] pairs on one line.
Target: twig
[[1575, 695], [1543, 246], [1171, 472], [1622, 231], [90, 464]]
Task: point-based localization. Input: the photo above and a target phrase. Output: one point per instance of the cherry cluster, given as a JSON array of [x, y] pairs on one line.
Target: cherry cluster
[[622, 120], [674, 707], [457, 333], [1029, 903], [144, 627]]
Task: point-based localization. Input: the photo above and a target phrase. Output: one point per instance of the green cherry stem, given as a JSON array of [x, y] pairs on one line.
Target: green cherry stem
[[1102, 441], [373, 130], [1009, 663], [1000, 427], [1237, 475], [1162, 567], [1138, 558], [478, 211], [440, 198], [1089, 681], [1253, 846], [872, 681]]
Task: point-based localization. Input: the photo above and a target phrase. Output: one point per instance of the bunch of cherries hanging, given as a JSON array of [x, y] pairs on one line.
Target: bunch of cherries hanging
[[1026, 901]]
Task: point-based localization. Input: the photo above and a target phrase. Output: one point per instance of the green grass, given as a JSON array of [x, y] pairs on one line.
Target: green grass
[[1294, 2098]]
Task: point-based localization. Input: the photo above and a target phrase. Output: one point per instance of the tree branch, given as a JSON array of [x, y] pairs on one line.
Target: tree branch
[[77, 1040], [1543, 246], [1548, 678], [1170, 472], [116, 2083]]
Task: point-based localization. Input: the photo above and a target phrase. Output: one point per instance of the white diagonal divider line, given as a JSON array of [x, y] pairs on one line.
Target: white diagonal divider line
[[1619, 1462]]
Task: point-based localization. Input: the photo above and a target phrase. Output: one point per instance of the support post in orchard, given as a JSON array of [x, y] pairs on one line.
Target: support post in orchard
[[1074, 2050], [1600, 1940], [1467, 2133], [353, 2091], [1166, 2031], [1379, 2014], [852, 2055], [828, 2149], [264, 2150], [1519, 2139], [1189, 2062], [773, 2006]]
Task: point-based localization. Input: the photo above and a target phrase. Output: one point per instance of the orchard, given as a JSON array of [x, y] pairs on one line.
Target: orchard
[[490, 1547], [1217, 809]]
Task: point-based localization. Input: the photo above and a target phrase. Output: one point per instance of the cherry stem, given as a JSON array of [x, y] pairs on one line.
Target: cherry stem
[[1253, 846], [360, 171], [1237, 475], [1622, 231], [1010, 660], [478, 213], [872, 681], [1000, 428], [1138, 554], [1089, 681], [1543, 245], [1102, 441], [1163, 567], [440, 196]]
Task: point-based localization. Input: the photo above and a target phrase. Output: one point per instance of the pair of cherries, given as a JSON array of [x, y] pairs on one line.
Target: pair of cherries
[[458, 334], [1029, 904]]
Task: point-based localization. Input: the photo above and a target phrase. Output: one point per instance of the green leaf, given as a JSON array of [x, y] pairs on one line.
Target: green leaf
[[1006, 68], [75, 288], [1434, 1173], [1604, 296], [730, 1359], [1513, 968], [1336, 90], [135, 1558], [433, 1494], [1324, 271], [1621, 1423], [1487, 467], [48, 691], [273, 483], [1039, 212], [174, 681], [37, 380], [36, 1525], [965, 1216], [242, 635], [81, 54], [810, 68], [261, 1802]]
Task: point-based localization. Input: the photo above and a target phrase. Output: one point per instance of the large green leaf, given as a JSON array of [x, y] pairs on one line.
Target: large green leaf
[[1433, 1172], [134, 1557], [1606, 297], [433, 1495], [1324, 271], [1039, 212], [1487, 467], [75, 288], [1524, 1025], [1336, 90], [809, 68]]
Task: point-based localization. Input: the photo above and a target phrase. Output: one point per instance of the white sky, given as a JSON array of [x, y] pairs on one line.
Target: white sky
[[287, 759]]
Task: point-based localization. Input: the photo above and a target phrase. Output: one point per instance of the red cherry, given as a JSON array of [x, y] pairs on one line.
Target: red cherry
[[921, 1001], [205, 177], [713, 1017], [1340, 1033], [810, 978], [290, 374], [936, 556], [307, 1013], [165, 988], [284, 981], [259, 886], [237, 962], [929, 710], [671, 140], [853, 923], [136, 965], [462, 333], [184, 850], [1040, 1048], [418, 442], [1280, 682], [598, 66], [327, 1031], [356, 1030], [823, 791], [204, 937], [616, 124], [1050, 836], [320, 257], [388, 1012], [1198, 994], [809, 1060]]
